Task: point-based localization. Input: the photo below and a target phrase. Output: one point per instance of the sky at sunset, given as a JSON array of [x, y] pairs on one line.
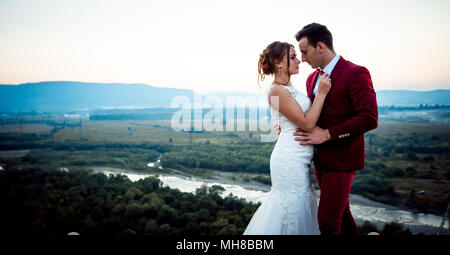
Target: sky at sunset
[[209, 46]]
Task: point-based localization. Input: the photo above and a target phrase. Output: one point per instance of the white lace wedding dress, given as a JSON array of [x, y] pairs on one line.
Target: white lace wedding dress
[[290, 208]]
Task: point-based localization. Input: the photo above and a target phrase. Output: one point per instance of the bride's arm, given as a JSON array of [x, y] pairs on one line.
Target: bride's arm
[[289, 107]]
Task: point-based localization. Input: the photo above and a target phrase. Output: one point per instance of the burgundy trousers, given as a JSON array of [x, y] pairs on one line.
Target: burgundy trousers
[[334, 214]]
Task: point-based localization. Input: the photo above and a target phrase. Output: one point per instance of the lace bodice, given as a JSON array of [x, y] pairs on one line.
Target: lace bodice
[[303, 101]]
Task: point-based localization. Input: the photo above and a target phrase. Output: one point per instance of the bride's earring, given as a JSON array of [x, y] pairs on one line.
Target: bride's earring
[[279, 70]]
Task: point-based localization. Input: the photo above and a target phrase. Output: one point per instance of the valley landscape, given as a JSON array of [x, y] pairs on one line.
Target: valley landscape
[[52, 153]]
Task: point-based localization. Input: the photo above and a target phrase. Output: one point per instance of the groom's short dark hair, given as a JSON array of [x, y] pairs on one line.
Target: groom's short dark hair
[[316, 33]]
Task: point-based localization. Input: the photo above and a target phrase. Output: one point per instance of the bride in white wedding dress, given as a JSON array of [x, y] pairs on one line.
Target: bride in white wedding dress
[[290, 208]]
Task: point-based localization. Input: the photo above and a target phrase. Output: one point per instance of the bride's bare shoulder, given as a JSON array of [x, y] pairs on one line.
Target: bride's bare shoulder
[[278, 90]]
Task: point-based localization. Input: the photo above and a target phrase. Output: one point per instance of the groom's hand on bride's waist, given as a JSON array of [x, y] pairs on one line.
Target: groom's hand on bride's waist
[[315, 136]]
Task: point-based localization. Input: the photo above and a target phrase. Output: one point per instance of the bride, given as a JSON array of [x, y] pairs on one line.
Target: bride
[[290, 207]]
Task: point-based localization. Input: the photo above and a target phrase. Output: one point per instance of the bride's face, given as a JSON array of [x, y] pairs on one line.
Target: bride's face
[[294, 62]]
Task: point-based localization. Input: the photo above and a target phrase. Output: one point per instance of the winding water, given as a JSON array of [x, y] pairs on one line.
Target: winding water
[[362, 209]]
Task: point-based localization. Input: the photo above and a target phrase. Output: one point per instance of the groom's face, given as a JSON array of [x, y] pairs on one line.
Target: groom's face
[[309, 53]]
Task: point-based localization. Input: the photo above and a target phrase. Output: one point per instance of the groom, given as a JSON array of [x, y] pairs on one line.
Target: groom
[[349, 111]]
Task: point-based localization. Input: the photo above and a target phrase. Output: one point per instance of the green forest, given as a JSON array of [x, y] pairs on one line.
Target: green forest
[[56, 203]]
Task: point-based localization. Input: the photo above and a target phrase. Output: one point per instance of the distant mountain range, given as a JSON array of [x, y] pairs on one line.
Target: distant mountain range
[[75, 96], [413, 97]]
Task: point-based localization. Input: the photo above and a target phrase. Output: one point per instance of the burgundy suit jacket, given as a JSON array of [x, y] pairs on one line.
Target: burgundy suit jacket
[[350, 110]]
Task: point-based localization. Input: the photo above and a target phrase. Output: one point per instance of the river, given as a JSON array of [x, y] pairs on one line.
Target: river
[[362, 209]]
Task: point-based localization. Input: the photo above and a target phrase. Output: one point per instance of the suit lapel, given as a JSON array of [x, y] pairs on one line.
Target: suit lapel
[[311, 84], [337, 69]]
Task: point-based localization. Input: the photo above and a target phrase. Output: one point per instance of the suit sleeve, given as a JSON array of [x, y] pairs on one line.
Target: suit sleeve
[[364, 102]]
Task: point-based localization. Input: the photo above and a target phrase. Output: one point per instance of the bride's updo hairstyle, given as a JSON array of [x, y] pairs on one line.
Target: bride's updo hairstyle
[[274, 52]]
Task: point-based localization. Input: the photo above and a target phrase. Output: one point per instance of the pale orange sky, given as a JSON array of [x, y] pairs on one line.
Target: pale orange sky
[[212, 45]]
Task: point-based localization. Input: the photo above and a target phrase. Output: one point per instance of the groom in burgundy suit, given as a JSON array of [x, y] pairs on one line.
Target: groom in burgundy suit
[[349, 111]]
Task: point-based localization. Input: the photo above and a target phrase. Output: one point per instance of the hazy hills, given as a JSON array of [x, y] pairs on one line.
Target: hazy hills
[[73, 96], [413, 98], [63, 96]]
